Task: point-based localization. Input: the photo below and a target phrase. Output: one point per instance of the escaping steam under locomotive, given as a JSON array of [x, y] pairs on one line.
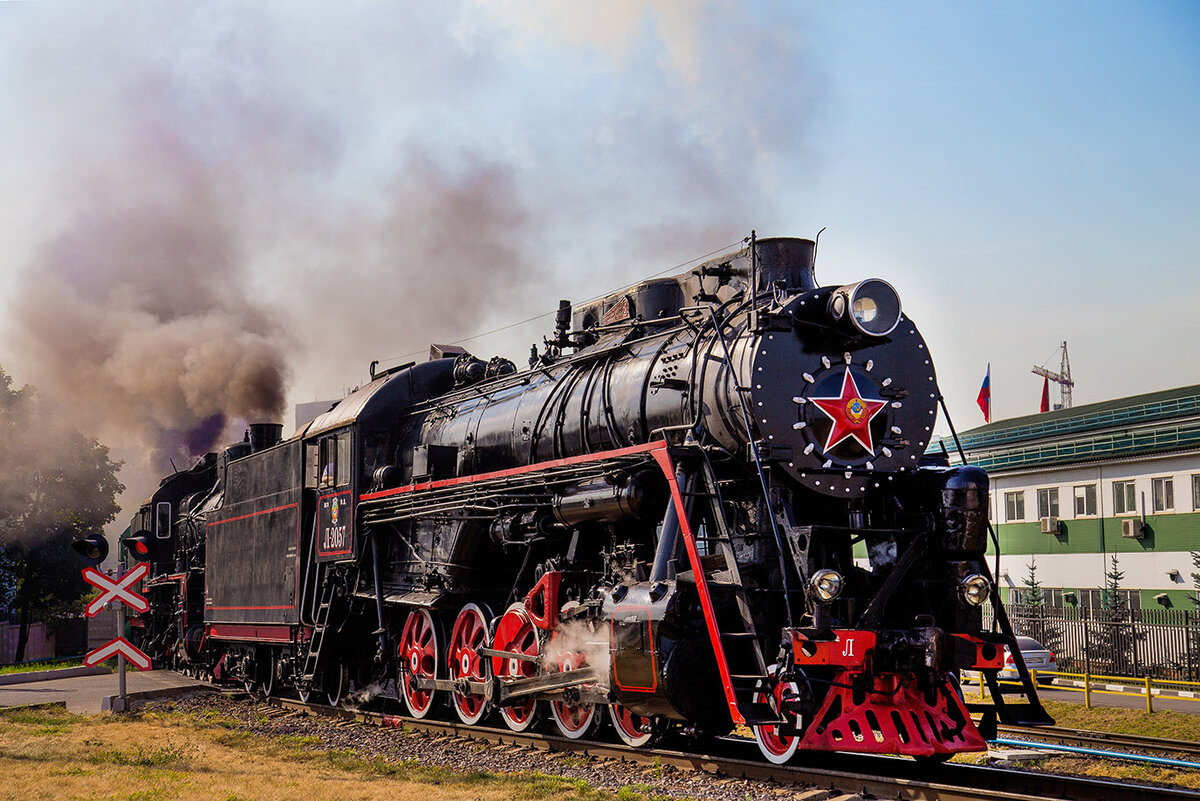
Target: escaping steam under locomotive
[[706, 503]]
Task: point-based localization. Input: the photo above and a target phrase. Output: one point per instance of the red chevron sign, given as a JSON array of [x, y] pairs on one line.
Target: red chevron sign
[[118, 590], [118, 646]]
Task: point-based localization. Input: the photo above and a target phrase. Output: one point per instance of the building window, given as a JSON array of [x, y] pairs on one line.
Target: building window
[[1048, 502], [1014, 506], [1085, 500], [1163, 492], [1196, 492], [1124, 498]]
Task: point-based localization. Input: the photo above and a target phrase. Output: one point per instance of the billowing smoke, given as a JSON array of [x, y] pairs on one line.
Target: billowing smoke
[[219, 209], [577, 644], [136, 314]]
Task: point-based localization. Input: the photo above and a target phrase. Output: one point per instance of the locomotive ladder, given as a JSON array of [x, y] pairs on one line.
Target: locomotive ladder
[[740, 640], [320, 625], [1030, 713]]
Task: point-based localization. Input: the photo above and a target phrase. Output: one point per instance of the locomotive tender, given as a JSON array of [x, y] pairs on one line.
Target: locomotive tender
[[705, 504]]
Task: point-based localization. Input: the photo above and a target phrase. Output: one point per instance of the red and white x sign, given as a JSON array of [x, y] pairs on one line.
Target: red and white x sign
[[118, 590]]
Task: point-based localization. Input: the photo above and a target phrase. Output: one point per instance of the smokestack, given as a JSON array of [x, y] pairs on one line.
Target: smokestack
[[265, 435]]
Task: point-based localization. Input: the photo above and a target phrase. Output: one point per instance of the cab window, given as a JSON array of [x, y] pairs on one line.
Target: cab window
[[333, 462]]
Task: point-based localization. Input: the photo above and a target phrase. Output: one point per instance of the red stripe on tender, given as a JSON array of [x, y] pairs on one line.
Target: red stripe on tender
[[239, 631], [646, 447], [254, 514], [710, 620]]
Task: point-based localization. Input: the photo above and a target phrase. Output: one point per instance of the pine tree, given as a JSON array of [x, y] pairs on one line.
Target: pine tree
[[1112, 600], [1114, 645], [1033, 595], [1041, 627]]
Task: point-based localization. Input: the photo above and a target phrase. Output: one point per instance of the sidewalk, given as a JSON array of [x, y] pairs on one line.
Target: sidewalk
[[91, 694]]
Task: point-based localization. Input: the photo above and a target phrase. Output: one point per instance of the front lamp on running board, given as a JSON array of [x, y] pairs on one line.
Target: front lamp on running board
[[827, 584]]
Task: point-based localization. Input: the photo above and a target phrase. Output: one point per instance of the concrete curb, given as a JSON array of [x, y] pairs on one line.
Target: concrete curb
[[112, 703], [48, 675]]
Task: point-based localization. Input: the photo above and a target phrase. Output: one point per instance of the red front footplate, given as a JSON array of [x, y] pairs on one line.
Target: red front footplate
[[896, 719]]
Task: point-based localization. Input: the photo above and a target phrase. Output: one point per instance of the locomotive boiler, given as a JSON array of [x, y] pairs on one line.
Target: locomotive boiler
[[705, 503]]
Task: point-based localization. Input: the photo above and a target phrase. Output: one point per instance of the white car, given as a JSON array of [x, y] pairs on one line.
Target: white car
[[1037, 657]]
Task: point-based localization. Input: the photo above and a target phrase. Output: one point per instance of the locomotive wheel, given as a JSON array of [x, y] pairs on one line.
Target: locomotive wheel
[[270, 685], [776, 747], [470, 633], [337, 681], [516, 633], [634, 730], [574, 721], [419, 655]]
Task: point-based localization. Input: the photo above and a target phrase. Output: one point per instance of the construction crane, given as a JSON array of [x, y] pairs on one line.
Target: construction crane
[[1062, 378]]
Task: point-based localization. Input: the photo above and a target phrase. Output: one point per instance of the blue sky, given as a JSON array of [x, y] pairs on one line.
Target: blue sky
[[323, 185]]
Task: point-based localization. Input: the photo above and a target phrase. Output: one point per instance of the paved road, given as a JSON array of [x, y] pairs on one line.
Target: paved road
[[86, 694]]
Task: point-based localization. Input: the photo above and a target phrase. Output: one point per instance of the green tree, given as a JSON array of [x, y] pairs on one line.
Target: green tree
[[1112, 600], [1033, 595], [55, 485], [1117, 638]]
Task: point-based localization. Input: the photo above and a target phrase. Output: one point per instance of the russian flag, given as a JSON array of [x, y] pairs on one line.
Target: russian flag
[[985, 395]]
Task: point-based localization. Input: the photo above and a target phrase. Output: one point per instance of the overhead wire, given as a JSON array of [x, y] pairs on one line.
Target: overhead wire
[[536, 317]]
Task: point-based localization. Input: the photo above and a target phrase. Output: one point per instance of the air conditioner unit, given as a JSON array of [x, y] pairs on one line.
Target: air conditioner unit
[[1049, 525], [1132, 528]]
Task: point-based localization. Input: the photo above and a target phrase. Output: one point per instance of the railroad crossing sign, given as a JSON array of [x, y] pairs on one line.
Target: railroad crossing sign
[[118, 591], [118, 647]]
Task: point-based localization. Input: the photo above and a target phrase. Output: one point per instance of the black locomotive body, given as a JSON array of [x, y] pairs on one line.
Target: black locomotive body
[[705, 504]]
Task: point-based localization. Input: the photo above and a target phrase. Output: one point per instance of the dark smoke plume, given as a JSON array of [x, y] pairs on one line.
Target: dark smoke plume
[[135, 315], [234, 203]]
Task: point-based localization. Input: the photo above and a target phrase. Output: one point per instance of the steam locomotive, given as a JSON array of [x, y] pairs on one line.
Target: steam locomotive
[[706, 503]]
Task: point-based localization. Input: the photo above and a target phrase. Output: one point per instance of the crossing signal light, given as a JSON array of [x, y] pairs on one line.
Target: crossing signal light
[[93, 548], [139, 545]]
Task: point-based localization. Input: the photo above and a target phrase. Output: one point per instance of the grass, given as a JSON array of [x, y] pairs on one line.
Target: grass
[[1164, 723], [48, 753], [52, 754], [37, 667]]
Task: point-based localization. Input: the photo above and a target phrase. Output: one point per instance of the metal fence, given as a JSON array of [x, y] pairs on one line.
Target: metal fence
[[1159, 643]]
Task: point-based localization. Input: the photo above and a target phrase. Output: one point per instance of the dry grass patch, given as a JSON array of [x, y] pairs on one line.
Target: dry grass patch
[[51, 754], [1165, 723]]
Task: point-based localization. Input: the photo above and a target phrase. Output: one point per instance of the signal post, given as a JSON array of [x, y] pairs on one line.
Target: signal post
[[120, 592]]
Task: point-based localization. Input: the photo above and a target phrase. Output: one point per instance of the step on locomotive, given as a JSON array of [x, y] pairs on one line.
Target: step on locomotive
[[706, 503]]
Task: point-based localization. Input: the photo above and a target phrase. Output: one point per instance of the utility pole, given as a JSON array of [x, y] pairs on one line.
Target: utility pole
[[1062, 378]]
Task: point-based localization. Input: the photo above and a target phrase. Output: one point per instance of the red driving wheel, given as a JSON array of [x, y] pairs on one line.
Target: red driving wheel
[[516, 633], [470, 633], [420, 647]]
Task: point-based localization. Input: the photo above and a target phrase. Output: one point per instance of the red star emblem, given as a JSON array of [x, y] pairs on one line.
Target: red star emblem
[[851, 415]]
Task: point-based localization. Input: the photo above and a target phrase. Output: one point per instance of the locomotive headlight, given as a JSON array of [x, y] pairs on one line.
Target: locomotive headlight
[[827, 584], [871, 306], [975, 589]]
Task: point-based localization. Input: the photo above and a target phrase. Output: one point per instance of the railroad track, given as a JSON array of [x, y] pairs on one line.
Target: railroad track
[[837, 773], [1103, 740]]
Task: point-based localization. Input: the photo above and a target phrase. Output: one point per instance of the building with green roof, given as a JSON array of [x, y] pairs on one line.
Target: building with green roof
[[1073, 487]]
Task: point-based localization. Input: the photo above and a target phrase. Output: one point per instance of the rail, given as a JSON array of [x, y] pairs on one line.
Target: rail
[[825, 772], [1102, 739]]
